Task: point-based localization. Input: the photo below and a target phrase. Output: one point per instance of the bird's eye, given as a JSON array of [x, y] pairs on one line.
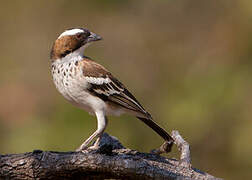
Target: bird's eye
[[86, 34], [78, 35]]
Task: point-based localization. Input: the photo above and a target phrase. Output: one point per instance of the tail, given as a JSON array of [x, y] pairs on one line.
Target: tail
[[160, 131]]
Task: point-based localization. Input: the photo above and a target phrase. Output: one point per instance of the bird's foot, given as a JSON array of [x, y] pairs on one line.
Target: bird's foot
[[94, 147], [84, 147]]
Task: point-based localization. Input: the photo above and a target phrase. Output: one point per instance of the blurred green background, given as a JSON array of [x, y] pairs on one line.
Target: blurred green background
[[188, 63]]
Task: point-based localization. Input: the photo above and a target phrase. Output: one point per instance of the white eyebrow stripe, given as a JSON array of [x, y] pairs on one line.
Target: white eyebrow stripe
[[70, 32]]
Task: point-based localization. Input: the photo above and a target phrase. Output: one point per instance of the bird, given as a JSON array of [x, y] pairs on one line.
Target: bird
[[91, 87]]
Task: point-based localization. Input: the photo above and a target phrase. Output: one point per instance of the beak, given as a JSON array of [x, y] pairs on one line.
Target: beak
[[94, 37]]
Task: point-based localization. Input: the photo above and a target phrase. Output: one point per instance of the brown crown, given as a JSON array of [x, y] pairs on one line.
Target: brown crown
[[67, 44]]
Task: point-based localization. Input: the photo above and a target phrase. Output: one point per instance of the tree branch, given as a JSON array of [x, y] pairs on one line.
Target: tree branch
[[111, 160]]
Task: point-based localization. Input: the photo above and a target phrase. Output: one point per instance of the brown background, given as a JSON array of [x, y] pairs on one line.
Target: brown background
[[188, 63]]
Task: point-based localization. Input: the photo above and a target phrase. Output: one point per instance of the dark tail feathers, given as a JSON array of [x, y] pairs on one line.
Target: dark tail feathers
[[160, 131]]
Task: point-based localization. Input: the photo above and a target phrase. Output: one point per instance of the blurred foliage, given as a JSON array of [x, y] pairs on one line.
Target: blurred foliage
[[190, 66]]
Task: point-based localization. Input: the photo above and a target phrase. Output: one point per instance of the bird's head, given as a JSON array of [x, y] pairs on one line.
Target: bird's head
[[72, 41]]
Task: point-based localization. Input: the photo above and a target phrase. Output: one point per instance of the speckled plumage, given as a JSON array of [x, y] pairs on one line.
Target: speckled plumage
[[90, 86]]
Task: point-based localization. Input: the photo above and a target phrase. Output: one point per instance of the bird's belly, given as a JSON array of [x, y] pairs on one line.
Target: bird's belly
[[74, 87], [75, 92]]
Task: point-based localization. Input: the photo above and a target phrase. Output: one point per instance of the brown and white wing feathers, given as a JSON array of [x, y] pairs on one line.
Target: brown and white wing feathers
[[104, 85], [108, 88]]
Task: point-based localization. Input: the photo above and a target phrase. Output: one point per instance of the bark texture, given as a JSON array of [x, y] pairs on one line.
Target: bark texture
[[110, 161]]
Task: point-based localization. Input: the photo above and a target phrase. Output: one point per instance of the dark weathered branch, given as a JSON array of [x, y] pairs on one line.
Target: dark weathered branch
[[111, 160]]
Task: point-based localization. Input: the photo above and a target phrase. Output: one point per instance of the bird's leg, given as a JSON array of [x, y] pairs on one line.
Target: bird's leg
[[97, 142], [101, 125], [88, 140], [99, 136]]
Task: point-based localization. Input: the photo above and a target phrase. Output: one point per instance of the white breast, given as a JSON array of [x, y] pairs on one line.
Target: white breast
[[70, 82]]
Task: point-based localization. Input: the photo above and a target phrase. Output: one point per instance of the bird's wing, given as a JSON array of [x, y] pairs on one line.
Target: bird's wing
[[104, 85]]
